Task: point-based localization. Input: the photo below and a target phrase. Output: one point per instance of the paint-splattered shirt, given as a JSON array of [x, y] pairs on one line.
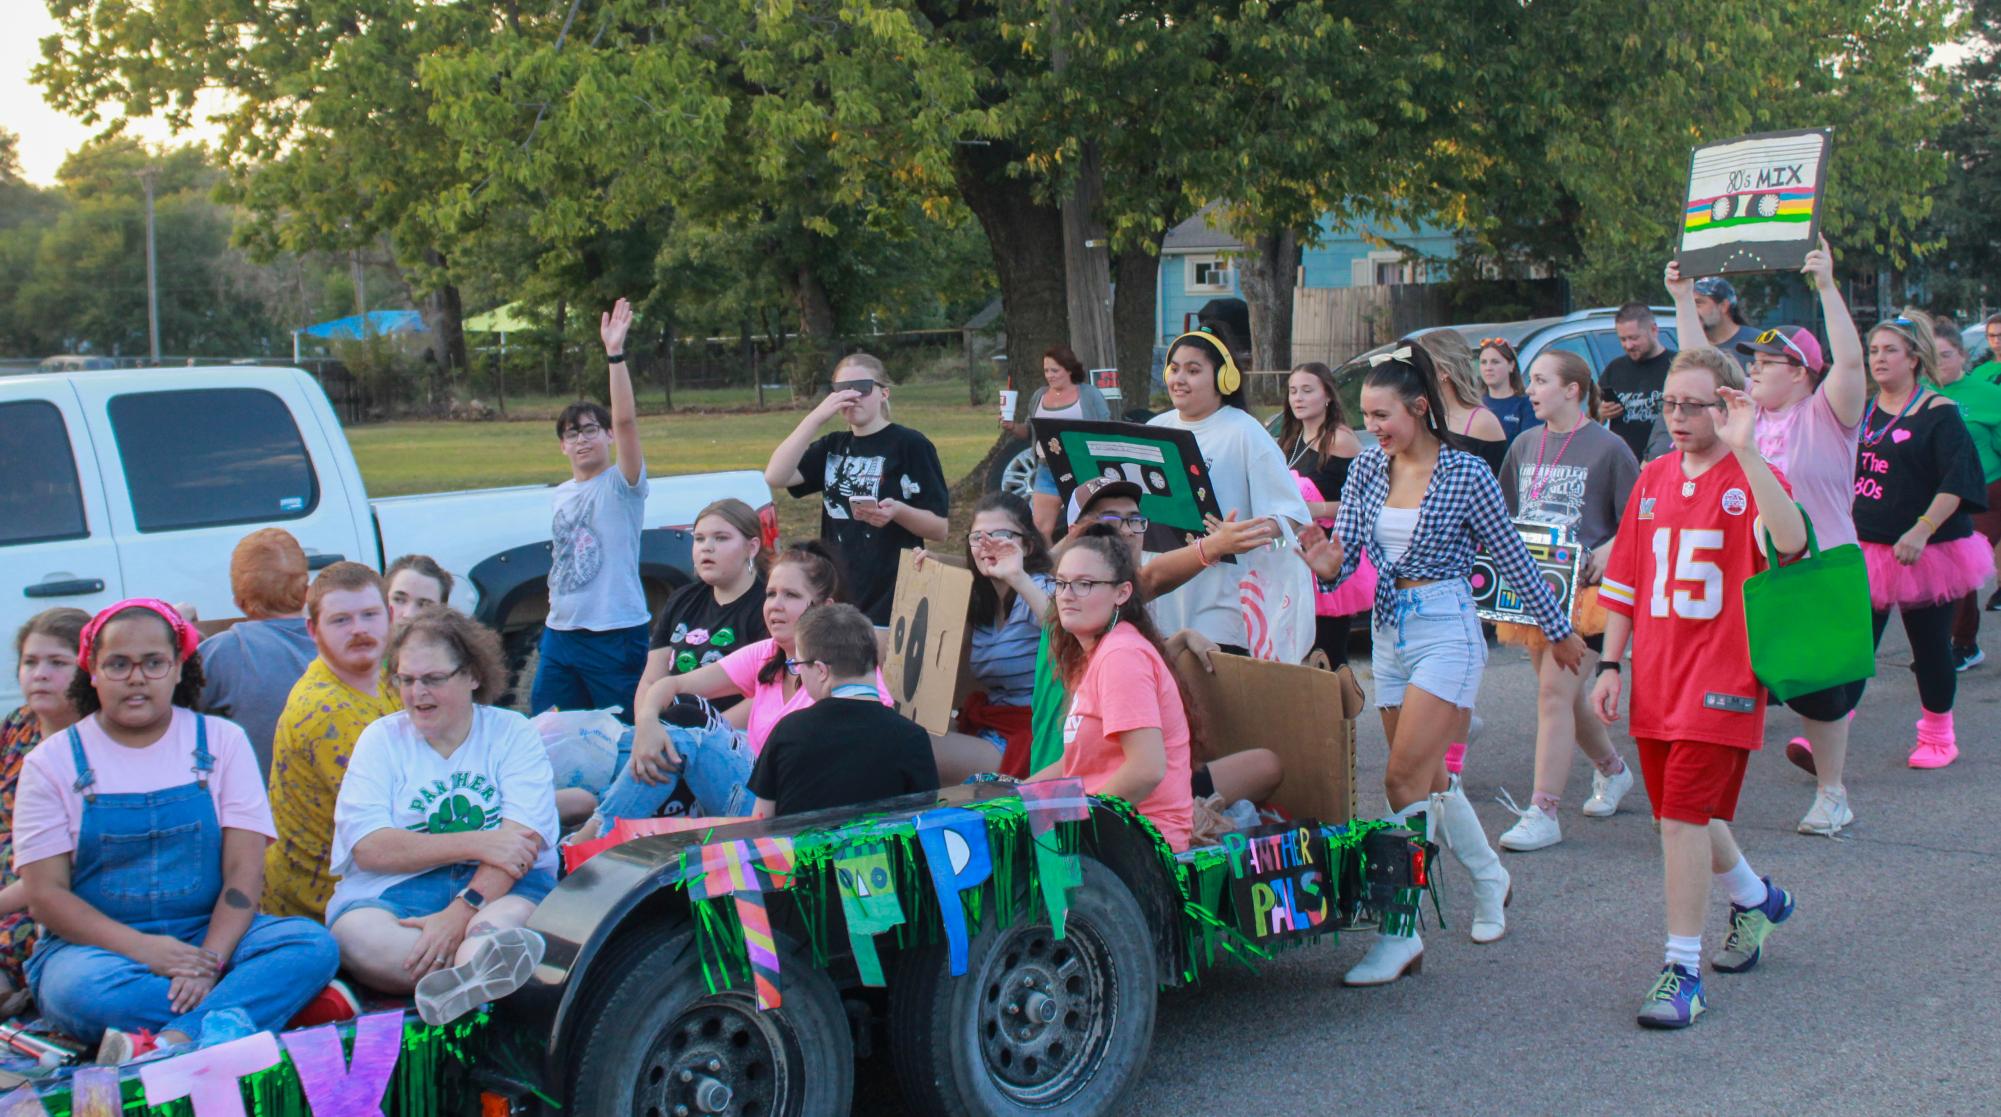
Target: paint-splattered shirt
[[309, 754]]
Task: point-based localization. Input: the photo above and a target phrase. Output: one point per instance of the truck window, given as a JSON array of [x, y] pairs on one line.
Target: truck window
[[41, 500], [212, 456]]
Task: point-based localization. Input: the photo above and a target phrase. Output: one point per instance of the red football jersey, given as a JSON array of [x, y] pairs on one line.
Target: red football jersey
[[1684, 550]]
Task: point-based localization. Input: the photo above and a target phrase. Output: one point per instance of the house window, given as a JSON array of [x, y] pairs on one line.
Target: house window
[[1388, 268], [1209, 275]]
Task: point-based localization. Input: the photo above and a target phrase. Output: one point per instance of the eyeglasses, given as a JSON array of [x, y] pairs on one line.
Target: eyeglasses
[[792, 666], [1134, 525], [1076, 587], [858, 387], [998, 535], [117, 668], [1770, 336], [432, 681], [1690, 406], [582, 433]]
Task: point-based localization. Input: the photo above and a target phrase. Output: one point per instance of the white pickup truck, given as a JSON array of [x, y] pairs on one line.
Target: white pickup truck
[[139, 483]]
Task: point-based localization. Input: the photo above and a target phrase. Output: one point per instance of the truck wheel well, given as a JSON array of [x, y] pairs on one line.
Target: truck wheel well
[[637, 933], [1127, 851]]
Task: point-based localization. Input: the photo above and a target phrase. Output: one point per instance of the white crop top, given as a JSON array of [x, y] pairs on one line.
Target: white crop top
[[1394, 527]]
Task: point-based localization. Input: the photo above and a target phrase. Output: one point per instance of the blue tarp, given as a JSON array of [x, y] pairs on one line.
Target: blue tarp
[[375, 322]]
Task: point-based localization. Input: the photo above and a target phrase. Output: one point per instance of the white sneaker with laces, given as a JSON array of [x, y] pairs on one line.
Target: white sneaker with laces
[[1829, 813], [1606, 791], [1534, 828]]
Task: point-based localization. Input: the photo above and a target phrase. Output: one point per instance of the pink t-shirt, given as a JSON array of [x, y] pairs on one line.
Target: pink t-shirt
[[1128, 686], [48, 811], [1809, 444], [768, 704]]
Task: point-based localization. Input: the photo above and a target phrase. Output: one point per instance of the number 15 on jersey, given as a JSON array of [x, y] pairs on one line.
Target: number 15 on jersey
[[1687, 584]]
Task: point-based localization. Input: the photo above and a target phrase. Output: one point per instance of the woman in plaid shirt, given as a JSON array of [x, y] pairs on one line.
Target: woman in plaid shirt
[[1418, 504]]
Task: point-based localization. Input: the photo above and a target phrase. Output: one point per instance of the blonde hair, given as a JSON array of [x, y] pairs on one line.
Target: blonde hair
[[1713, 361], [1457, 366], [1916, 328]]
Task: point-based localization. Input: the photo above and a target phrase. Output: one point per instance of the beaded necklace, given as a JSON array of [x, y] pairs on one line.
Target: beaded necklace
[[1867, 438]]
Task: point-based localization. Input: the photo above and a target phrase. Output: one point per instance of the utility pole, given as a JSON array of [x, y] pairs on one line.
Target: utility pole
[[152, 269]]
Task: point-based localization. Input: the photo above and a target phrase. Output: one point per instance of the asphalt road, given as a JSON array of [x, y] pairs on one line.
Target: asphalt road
[[1878, 996]]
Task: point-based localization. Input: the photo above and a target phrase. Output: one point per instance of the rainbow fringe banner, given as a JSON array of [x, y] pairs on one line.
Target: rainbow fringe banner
[[732, 869]]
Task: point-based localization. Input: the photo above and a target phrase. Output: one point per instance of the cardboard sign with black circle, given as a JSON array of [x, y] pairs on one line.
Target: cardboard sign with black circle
[[925, 657], [1557, 556], [1165, 462]]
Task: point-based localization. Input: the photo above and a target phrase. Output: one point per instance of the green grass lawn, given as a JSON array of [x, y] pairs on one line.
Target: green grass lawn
[[434, 456]]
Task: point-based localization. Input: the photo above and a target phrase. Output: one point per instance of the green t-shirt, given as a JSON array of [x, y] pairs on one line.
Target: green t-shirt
[[1989, 371], [1045, 711], [1980, 405]]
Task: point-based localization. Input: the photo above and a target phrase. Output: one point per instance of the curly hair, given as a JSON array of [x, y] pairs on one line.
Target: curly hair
[[475, 646], [1067, 654], [83, 692]]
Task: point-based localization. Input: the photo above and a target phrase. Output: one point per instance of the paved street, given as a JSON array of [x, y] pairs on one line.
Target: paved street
[[1878, 996]]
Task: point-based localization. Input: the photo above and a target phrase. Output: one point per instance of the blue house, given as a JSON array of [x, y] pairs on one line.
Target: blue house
[[1195, 264]]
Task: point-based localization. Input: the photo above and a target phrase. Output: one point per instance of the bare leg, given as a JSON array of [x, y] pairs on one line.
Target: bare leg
[[373, 946], [1251, 774], [960, 757], [508, 911], [1420, 731], [1046, 510], [1830, 750], [1689, 854], [574, 805], [1559, 727]]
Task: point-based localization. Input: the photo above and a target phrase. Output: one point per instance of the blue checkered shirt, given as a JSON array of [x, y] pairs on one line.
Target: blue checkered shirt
[[1462, 507]]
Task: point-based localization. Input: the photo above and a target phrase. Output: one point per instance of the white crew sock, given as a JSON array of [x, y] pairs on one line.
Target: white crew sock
[[1685, 951], [1746, 890]]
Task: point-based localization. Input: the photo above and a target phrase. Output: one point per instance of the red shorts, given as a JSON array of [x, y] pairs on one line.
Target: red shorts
[[1693, 781]]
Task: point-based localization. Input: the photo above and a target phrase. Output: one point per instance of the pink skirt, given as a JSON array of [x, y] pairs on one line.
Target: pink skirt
[[1358, 593], [1945, 572]]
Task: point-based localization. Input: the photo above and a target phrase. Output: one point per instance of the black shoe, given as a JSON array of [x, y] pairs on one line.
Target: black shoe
[[1994, 602]]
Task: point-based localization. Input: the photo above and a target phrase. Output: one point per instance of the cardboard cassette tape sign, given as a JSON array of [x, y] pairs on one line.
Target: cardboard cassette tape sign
[[1164, 462], [1556, 554]]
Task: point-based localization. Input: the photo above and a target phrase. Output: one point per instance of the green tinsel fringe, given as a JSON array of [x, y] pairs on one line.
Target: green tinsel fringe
[[432, 1078]]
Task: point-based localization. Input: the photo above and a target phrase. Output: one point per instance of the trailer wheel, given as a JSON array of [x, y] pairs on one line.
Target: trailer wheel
[[1034, 1024], [663, 1045]]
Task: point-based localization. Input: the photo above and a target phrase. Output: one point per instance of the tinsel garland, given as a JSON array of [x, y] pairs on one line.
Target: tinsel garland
[[432, 1078]]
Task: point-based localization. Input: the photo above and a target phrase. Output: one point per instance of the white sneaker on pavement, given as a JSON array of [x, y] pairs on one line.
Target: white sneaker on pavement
[[1606, 791], [1534, 828], [1829, 813]]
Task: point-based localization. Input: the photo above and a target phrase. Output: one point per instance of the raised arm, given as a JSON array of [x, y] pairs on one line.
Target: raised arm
[[612, 327], [1846, 390], [1781, 518], [1687, 323]]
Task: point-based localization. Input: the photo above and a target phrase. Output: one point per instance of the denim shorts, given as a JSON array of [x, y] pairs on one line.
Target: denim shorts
[[1045, 481], [429, 892], [1431, 641]]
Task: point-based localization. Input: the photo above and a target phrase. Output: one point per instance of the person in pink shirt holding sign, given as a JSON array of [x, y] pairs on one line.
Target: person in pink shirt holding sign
[[1127, 733]]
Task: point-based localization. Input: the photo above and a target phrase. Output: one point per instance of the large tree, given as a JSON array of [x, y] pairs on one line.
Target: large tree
[[1967, 217]]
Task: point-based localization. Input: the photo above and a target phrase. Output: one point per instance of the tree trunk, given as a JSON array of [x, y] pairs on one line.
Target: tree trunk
[[1136, 296], [444, 316], [1270, 271], [1026, 238], [1087, 268], [554, 355]]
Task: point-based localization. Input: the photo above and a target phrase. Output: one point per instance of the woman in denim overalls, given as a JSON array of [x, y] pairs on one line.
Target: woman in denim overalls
[[151, 913]]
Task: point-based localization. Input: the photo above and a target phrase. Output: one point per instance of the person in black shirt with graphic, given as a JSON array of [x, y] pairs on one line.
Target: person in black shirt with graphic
[[719, 612], [882, 489], [1631, 385], [839, 751]]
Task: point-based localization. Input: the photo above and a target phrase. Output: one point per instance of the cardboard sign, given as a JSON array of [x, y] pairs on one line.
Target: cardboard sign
[[1556, 553], [1280, 884], [1164, 462], [927, 638], [1753, 203], [1304, 714]]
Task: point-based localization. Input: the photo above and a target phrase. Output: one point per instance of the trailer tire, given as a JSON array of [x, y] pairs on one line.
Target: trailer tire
[[1034, 1025], [659, 1023]]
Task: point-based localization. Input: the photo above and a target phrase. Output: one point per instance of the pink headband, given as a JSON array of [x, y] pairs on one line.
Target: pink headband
[[184, 633]]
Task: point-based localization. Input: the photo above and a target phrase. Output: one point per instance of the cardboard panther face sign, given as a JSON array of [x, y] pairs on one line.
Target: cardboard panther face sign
[[1166, 464]]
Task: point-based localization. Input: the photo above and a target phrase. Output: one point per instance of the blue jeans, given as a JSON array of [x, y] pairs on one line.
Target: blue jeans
[[716, 762], [278, 966], [1436, 645], [584, 670], [430, 891]]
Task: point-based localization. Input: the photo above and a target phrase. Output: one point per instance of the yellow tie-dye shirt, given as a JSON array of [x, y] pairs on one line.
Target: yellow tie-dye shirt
[[309, 753]]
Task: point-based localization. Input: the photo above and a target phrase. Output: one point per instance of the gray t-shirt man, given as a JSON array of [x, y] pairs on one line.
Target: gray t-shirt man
[[249, 669]]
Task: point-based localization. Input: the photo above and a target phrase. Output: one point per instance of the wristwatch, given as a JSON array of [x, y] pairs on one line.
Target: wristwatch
[[614, 358], [1608, 665], [472, 897]]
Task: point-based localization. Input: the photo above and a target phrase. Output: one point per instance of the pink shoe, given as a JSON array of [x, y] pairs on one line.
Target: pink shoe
[[1934, 753], [1799, 750]]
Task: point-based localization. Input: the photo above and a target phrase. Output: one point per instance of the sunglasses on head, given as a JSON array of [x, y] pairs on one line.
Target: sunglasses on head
[[1770, 336]]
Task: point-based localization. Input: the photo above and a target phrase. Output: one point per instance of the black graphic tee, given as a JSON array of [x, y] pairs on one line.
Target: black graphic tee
[[1636, 385], [894, 463], [701, 632]]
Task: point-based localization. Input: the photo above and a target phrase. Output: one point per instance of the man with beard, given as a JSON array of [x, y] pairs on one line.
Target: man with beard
[[340, 694]]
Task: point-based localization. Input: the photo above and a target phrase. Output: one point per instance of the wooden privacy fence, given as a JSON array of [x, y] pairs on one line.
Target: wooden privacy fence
[[1333, 324]]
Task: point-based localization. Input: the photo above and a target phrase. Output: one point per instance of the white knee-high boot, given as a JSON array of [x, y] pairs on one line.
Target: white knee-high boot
[[1395, 953], [1458, 826]]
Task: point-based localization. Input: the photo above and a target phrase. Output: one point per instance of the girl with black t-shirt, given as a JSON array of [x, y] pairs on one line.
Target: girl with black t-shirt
[[721, 610], [1319, 446], [1916, 476]]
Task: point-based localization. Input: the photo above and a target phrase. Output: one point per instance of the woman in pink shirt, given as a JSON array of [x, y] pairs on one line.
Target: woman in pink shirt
[[140, 834], [1127, 731]]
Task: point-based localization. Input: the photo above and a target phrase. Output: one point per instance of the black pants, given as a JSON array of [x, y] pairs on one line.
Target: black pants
[[1930, 632], [1330, 635]]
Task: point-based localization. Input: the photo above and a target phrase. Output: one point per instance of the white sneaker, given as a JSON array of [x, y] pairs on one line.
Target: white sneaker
[[1389, 957], [1606, 791], [1829, 813], [1534, 829]]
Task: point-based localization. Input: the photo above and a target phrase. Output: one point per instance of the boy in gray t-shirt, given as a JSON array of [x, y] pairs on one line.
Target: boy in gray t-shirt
[[594, 642]]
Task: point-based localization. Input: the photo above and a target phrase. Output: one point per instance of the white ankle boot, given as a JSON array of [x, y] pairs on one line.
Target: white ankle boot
[[1389, 957], [1458, 825]]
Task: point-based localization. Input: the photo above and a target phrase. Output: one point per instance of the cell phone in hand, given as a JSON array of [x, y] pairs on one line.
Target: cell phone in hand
[[860, 503]]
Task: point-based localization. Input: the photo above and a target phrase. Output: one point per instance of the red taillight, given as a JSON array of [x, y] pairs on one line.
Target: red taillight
[[1417, 868], [767, 522]]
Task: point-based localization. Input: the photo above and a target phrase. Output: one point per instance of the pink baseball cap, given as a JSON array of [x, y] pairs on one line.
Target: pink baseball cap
[[1794, 343]]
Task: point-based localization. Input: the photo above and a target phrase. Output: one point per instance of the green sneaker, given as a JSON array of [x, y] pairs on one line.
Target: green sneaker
[[1674, 1001], [1749, 928]]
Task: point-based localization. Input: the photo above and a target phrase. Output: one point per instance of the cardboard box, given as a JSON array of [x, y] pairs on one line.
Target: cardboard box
[[927, 638], [1304, 714]]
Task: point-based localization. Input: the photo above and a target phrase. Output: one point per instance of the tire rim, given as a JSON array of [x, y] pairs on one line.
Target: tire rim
[[720, 1056], [1047, 1013], [1018, 477]]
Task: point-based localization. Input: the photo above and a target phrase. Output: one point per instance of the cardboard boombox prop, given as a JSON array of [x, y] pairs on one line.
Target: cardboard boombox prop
[[1166, 464], [1557, 555]]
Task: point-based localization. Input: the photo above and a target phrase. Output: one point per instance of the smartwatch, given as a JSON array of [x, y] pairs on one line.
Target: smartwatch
[[1611, 665], [472, 897], [614, 358]]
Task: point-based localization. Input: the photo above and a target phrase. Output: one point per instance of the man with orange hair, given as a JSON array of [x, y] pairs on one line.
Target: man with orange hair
[[250, 666]]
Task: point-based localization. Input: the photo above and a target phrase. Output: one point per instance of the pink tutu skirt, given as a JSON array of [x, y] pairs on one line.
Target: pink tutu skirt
[[1945, 572], [1358, 593]]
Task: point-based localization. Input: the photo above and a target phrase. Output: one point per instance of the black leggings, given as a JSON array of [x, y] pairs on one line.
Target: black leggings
[[1930, 631], [1330, 635]]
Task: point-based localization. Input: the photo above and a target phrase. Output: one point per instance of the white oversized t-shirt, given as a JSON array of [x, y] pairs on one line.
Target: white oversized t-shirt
[[594, 554], [1250, 477], [395, 779]]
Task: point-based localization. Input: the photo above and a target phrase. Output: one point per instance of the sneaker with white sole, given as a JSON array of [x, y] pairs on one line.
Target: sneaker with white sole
[[499, 965], [1965, 659], [1534, 828], [1829, 813], [1606, 791]]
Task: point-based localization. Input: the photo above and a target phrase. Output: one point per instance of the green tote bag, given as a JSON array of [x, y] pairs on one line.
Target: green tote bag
[[1809, 622]]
